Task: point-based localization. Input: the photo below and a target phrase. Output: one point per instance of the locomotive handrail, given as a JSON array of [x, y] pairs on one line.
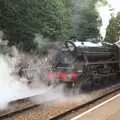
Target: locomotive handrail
[[87, 52]]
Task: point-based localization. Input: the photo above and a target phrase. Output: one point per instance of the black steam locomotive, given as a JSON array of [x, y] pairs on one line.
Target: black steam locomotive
[[86, 64]]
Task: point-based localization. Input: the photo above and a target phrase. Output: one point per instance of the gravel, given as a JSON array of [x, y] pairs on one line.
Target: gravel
[[50, 110]]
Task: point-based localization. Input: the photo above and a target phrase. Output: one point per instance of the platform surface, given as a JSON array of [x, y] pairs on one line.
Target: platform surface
[[107, 110]]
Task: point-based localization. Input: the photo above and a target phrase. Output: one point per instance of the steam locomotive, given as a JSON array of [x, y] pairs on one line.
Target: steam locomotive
[[86, 64]]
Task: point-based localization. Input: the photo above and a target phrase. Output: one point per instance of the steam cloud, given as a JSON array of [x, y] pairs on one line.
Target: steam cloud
[[105, 12], [78, 7], [13, 87]]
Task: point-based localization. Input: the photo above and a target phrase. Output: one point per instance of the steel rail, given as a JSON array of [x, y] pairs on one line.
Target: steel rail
[[25, 103], [8, 114], [61, 116]]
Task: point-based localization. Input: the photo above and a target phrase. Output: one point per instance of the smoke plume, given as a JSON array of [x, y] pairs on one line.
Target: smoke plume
[[111, 8]]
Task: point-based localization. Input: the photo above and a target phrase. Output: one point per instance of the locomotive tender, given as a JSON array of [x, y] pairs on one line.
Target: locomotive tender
[[86, 63]]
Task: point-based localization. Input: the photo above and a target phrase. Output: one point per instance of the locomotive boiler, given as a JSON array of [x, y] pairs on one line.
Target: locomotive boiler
[[86, 64]]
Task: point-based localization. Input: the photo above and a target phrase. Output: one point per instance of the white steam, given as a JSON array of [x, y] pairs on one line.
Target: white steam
[[14, 87], [106, 11], [77, 16], [11, 88]]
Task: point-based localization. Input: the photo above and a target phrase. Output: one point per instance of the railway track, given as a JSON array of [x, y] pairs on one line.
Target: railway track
[[17, 106], [67, 115], [24, 105]]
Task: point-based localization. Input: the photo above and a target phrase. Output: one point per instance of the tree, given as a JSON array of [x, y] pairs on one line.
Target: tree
[[20, 19], [113, 29]]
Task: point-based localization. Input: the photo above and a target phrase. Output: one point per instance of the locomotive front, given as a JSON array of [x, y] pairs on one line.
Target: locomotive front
[[67, 69]]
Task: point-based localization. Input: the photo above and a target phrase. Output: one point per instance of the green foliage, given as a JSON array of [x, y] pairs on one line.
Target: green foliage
[[20, 18], [113, 29], [53, 19]]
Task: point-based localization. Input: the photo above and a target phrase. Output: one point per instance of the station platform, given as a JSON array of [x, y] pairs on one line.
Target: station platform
[[108, 110]]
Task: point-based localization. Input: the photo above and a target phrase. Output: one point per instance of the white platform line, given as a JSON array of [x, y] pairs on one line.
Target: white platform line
[[92, 109]]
